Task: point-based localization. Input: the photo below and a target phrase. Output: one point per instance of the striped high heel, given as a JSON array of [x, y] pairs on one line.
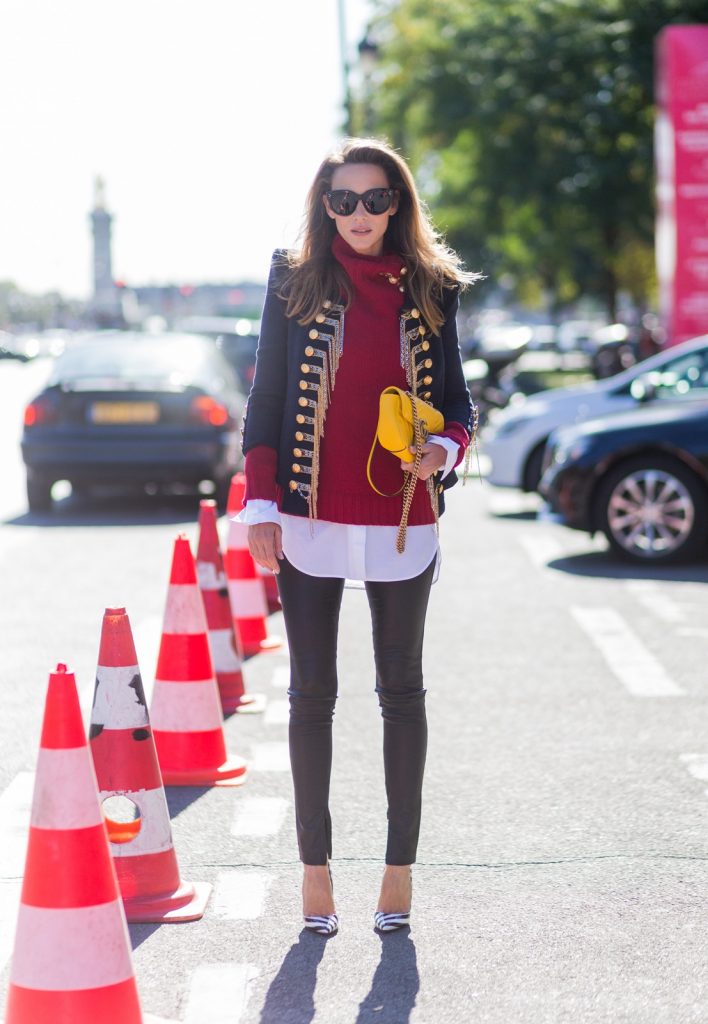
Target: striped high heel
[[327, 924], [391, 922]]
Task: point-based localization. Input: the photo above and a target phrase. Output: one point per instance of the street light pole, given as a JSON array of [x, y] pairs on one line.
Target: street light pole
[[345, 67]]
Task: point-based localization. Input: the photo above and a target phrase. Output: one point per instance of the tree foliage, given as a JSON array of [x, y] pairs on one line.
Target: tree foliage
[[530, 126]]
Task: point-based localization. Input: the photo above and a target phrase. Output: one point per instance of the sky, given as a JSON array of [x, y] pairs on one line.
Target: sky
[[206, 120]]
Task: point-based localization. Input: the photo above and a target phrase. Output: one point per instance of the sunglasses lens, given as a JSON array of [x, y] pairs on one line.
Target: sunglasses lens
[[377, 200], [344, 203]]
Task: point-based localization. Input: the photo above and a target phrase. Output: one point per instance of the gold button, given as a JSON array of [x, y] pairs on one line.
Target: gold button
[[327, 304], [426, 395], [425, 345], [314, 334], [428, 363], [296, 468], [299, 436], [401, 288], [303, 385], [415, 313], [302, 401], [421, 330], [320, 318], [427, 380], [293, 485], [404, 270], [300, 418], [298, 453], [309, 351], [304, 368]]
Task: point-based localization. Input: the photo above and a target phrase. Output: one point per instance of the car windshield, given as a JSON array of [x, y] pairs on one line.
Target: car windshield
[[684, 375], [174, 360]]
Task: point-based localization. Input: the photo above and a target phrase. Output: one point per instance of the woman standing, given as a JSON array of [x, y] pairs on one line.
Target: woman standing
[[367, 302]]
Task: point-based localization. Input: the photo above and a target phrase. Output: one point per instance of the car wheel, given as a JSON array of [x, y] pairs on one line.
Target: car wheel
[[39, 494], [653, 510], [532, 469]]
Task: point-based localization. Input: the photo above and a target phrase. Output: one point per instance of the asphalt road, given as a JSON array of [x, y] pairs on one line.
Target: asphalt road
[[563, 859]]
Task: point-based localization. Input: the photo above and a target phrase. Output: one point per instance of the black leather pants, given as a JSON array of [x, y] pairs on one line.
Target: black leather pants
[[311, 609]]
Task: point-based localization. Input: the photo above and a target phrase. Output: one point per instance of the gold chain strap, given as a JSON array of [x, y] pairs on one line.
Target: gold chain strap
[[419, 435]]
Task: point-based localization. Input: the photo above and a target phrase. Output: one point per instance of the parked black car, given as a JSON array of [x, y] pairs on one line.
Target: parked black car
[[641, 477], [134, 409]]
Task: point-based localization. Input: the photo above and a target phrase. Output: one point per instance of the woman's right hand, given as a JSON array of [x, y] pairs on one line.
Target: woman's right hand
[[265, 542]]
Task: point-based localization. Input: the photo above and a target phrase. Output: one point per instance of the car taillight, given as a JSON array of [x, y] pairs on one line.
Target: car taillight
[[207, 410], [39, 412]]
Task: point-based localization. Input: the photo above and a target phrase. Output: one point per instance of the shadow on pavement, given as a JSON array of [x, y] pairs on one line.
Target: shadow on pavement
[[290, 998], [179, 798], [529, 515], [90, 510], [140, 933], [602, 564], [395, 984]]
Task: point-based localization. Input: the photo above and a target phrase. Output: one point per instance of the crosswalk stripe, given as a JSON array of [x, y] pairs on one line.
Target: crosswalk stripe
[[280, 679], [652, 597], [270, 757], [540, 548], [240, 895], [626, 656], [218, 993], [277, 712], [259, 816]]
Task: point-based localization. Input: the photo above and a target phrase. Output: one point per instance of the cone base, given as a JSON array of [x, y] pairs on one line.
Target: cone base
[[245, 704], [231, 773], [270, 643], [187, 903]]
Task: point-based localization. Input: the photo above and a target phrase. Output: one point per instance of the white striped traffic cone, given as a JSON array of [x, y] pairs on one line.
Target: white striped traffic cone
[[249, 605], [72, 962], [224, 644], [126, 765], [187, 720]]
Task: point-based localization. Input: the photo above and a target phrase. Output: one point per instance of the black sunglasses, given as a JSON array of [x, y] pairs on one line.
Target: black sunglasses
[[344, 202]]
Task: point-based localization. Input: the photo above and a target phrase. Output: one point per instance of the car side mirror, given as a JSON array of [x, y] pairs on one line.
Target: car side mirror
[[643, 389]]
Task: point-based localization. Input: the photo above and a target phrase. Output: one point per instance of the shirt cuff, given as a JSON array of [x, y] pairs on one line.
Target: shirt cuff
[[256, 511], [452, 449]]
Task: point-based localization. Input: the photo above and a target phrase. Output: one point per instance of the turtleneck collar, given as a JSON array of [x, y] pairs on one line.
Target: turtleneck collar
[[362, 268]]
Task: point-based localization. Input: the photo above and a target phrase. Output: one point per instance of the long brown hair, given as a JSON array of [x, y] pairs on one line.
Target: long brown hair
[[316, 276]]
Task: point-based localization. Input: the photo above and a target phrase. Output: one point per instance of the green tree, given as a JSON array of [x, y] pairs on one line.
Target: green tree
[[530, 125]]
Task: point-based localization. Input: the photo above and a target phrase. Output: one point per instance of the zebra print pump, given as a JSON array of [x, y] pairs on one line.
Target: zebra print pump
[[390, 922], [327, 924], [393, 921]]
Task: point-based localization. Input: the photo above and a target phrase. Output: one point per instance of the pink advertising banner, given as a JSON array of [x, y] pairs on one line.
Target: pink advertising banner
[[682, 180]]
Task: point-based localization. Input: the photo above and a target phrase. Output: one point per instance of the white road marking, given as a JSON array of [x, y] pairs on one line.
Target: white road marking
[[218, 993], [281, 677], [240, 895], [9, 904], [655, 599], [540, 548], [270, 757], [277, 712], [259, 816], [626, 656], [696, 765], [15, 810]]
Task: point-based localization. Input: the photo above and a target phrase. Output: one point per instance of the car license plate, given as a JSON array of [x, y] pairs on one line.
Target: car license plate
[[125, 412]]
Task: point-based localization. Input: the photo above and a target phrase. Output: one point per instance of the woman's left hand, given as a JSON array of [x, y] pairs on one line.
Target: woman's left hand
[[434, 458]]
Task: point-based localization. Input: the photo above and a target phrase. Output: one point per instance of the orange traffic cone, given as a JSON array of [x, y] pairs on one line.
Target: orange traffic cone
[[187, 721], [225, 647], [126, 765], [72, 962], [246, 590]]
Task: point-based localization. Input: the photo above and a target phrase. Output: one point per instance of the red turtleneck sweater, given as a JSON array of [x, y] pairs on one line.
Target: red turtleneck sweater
[[370, 362]]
